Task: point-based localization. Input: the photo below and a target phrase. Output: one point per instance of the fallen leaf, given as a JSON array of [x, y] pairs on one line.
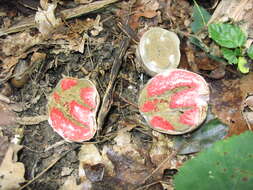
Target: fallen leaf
[[4, 145], [11, 171], [46, 20], [90, 156], [18, 43], [143, 8], [8, 117], [70, 183], [226, 99], [160, 150]]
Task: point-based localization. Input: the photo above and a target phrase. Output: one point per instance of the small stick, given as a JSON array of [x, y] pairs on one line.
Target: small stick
[[107, 100]]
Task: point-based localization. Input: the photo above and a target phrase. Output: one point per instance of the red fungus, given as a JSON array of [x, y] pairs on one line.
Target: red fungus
[[72, 109], [175, 101]]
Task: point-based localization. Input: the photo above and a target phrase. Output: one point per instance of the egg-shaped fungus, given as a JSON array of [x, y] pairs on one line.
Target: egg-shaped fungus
[[158, 50]]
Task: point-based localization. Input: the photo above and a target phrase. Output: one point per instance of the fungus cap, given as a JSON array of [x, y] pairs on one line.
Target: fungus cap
[[175, 101], [158, 50], [72, 109]]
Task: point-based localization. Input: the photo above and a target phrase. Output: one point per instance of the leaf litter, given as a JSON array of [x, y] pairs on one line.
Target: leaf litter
[[136, 158]]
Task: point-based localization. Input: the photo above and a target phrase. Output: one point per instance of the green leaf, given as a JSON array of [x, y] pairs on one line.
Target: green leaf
[[226, 165], [227, 35], [200, 18], [242, 65], [229, 55], [203, 138], [250, 52]]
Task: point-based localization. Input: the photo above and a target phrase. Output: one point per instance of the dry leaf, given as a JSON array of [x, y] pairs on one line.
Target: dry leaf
[[4, 144], [161, 149], [143, 8], [89, 155], [45, 19], [11, 171], [226, 99], [70, 184], [8, 117], [18, 43]]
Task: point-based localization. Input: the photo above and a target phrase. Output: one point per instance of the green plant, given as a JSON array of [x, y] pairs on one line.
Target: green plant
[[225, 165], [232, 40]]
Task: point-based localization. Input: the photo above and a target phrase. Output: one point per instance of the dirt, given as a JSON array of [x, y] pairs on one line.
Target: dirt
[[40, 143]]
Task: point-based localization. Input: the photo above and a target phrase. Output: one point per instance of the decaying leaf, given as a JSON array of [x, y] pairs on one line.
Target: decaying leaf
[[4, 145], [161, 149], [247, 110], [143, 8], [125, 164], [18, 43], [46, 19], [8, 117], [11, 171], [70, 183], [89, 155], [226, 99]]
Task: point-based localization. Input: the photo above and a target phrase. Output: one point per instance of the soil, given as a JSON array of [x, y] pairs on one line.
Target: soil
[[41, 144]]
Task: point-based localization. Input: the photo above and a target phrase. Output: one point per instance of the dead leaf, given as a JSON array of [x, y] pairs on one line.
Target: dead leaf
[[8, 117], [11, 171], [4, 145], [88, 156], [70, 184], [161, 149], [18, 43], [46, 20], [38, 57], [226, 99], [143, 8]]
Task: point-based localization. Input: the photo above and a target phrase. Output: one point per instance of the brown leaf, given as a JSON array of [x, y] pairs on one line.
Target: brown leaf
[[11, 171], [4, 144], [147, 9], [70, 183], [226, 99], [8, 117]]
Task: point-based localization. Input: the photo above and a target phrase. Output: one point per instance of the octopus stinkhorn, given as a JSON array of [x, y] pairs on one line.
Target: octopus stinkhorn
[[175, 101], [72, 109]]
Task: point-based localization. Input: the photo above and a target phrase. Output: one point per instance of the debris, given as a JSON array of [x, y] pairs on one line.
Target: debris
[[72, 109], [106, 103], [45, 19], [226, 99], [31, 120], [158, 50], [7, 115], [20, 75], [142, 8], [11, 171], [175, 101]]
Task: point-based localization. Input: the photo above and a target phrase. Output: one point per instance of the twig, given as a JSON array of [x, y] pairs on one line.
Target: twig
[[32, 120], [50, 166], [107, 100]]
